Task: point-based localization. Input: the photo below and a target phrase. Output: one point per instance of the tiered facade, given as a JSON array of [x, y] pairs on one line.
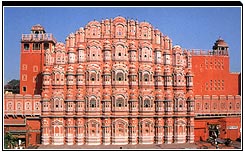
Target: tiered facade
[[111, 84], [121, 81]]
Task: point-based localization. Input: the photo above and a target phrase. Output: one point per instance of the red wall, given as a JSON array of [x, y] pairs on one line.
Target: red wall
[[207, 68], [31, 59]]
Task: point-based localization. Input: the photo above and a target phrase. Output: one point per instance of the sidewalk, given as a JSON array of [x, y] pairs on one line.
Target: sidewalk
[[197, 145], [138, 146]]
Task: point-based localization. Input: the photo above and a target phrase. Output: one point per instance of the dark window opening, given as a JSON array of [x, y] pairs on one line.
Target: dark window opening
[[146, 103], [93, 54], [93, 76], [36, 46], [46, 46], [26, 47], [146, 77], [92, 103], [120, 102], [119, 54], [119, 76], [24, 89]]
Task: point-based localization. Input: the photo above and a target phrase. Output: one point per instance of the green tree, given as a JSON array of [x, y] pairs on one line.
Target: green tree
[[9, 141], [13, 86]]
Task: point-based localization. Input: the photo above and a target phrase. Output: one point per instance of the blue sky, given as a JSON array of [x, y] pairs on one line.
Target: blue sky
[[189, 27]]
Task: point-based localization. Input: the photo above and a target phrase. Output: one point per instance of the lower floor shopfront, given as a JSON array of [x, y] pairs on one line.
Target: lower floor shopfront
[[224, 127]]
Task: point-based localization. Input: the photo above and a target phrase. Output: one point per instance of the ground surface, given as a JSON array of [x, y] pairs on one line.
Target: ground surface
[[197, 145]]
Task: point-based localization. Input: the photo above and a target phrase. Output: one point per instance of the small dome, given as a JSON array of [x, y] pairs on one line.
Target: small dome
[[80, 69], [46, 71], [119, 18], [166, 37], [176, 46], [81, 47], [158, 48], [106, 97], [107, 45], [133, 97], [81, 29], [189, 73], [191, 98], [220, 42], [72, 35], [158, 69], [167, 71], [159, 95], [37, 27], [60, 46], [80, 96], [168, 96], [132, 46], [157, 31], [71, 50], [107, 68], [70, 70], [132, 68]]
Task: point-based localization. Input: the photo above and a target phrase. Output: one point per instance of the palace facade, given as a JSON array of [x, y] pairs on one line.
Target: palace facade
[[121, 81]]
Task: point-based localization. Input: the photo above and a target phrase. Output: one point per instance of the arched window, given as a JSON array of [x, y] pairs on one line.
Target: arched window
[[10, 106], [147, 103], [93, 76], [119, 30], [92, 103], [145, 31], [119, 76], [57, 104], [120, 102], [28, 106], [37, 106], [146, 77], [19, 106], [56, 130]]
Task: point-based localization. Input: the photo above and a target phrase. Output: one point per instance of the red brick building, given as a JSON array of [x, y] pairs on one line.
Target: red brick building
[[121, 81]]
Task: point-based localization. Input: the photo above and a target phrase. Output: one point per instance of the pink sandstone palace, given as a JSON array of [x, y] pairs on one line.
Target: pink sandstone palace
[[121, 81]]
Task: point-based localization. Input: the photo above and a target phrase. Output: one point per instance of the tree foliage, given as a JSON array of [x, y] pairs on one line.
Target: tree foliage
[[13, 86], [9, 141]]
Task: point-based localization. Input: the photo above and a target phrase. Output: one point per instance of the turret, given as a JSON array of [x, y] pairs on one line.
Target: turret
[[220, 47]]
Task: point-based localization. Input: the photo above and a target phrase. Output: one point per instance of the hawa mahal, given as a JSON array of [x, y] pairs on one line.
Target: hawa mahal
[[121, 81]]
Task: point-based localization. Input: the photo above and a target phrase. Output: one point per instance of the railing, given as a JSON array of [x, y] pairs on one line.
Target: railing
[[22, 112], [38, 37], [200, 52]]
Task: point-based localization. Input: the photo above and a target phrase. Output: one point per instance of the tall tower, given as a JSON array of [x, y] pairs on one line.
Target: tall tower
[[33, 47]]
